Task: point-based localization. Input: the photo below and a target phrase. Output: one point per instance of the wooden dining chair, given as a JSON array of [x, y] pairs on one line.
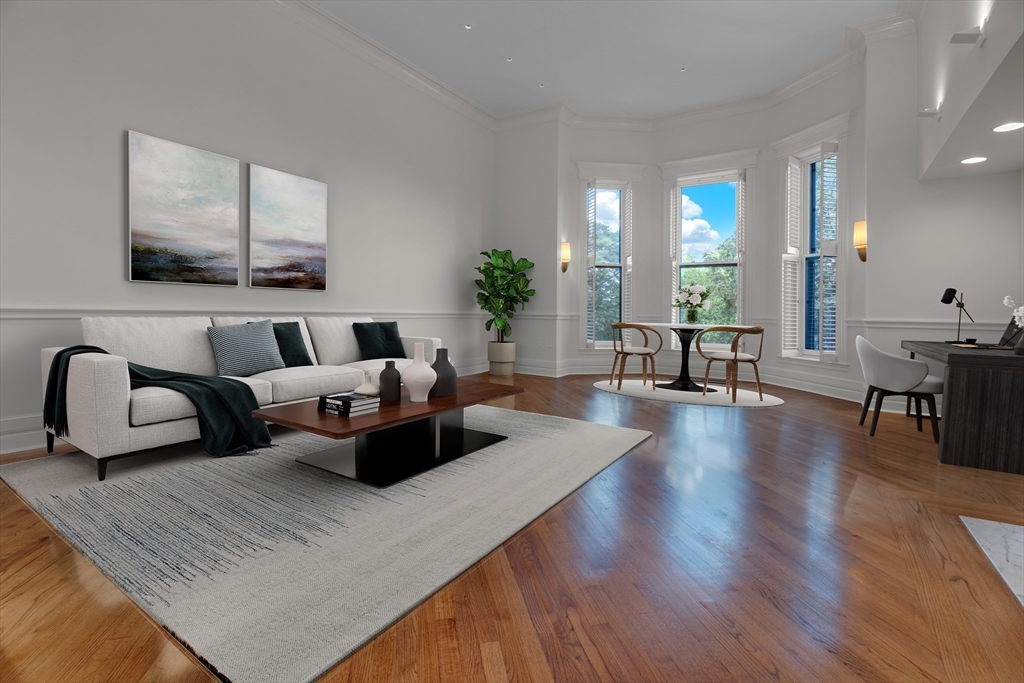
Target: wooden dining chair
[[733, 357], [622, 351]]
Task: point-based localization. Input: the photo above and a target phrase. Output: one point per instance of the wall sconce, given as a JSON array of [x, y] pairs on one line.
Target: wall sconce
[[566, 256], [975, 35], [860, 239]]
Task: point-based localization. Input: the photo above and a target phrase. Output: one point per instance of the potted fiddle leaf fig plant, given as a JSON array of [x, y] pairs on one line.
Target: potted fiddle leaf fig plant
[[504, 286]]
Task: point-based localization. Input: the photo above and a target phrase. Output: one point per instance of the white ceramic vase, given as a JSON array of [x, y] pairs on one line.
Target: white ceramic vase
[[418, 377], [367, 388]]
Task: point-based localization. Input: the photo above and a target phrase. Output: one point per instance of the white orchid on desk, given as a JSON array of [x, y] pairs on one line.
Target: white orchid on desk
[[1018, 312]]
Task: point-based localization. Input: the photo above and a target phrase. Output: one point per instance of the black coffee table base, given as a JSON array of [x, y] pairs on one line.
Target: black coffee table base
[[683, 382], [388, 456]]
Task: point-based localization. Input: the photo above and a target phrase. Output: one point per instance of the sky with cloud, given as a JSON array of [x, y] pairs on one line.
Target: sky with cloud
[[708, 215]]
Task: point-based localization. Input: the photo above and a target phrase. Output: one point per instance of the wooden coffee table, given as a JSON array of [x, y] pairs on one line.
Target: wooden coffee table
[[398, 441]]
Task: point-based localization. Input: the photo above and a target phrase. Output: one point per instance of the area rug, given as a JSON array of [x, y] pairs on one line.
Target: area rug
[[634, 388], [1004, 546], [274, 571]]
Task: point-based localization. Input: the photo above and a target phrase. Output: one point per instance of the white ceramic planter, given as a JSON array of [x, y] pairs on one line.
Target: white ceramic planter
[[418, 377], [502, 356]]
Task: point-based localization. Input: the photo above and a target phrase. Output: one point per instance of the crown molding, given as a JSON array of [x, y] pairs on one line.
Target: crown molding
[[884, 27], [912, 8], [613, 123], [599, 170], [553, 112], [839, 62], [729, 161], [826, 130], [317, 20]]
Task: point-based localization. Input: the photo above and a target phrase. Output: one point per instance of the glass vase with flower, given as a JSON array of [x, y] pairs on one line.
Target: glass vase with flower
[[692, 298]]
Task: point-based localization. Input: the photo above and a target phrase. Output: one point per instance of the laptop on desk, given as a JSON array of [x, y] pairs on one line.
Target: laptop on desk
[[1009, 338]]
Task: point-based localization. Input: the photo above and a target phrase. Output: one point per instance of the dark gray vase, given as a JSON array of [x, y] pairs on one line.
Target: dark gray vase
[[447, 378], [390, 382]]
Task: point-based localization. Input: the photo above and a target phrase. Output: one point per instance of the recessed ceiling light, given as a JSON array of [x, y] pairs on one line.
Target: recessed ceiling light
[[542, 85], [1006, 127], [508, 59], [469, 26], [974, 160], [683, 69]]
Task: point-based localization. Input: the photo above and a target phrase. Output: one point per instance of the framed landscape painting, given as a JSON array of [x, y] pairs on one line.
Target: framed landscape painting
[[182, 213], [287, 230]]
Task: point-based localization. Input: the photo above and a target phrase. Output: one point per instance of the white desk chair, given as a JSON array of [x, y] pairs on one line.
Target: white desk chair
[[890, 375]]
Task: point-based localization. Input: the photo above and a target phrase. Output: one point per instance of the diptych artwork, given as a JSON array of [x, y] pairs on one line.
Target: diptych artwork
[[287, 230], [182, 213]]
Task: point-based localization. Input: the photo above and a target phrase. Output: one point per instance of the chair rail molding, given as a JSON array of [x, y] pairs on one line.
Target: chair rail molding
[[74, 313]]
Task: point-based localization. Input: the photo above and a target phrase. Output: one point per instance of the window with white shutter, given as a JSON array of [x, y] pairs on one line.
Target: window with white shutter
[[810, 278], [707, 238], [609, 258]]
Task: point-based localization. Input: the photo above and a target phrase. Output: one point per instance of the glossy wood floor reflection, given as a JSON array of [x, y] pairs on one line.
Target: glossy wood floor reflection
[[735, 544]]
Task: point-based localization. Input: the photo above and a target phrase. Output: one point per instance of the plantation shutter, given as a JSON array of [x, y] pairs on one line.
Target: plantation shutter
[[794, 183], [790, 304], [626, 245], [791, 260], [828, 228], [741, 237], [591, 260], [673, 231]]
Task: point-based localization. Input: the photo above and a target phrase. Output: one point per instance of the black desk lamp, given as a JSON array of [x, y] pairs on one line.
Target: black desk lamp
[[949, 297]]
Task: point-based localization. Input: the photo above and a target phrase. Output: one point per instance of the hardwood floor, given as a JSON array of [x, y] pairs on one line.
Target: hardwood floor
[[735, 544]]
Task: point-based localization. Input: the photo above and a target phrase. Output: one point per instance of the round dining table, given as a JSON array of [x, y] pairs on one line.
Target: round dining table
[[685, 332]]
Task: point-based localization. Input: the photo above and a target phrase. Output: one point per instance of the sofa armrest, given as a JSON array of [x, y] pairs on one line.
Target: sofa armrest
[[47, 355], [98, 395], [430, 346]]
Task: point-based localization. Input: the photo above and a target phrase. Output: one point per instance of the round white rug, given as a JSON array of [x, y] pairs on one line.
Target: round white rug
[[635, 389]]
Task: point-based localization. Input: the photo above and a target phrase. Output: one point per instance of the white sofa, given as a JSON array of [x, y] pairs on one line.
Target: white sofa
[[108, 419]]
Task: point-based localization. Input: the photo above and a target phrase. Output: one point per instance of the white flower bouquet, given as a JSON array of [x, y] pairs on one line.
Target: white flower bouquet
[[1018, 311], [693, 298]]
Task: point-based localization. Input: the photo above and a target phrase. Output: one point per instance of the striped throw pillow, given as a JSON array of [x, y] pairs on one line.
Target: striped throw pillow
[[244, 350]]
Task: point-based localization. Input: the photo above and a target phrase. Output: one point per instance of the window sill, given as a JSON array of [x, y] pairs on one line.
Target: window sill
[[810, 359]]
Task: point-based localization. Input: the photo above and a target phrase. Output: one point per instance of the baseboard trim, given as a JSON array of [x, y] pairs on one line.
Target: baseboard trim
[[22, 433]]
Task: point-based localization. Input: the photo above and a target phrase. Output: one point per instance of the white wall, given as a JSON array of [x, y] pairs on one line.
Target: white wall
[[410, 180]]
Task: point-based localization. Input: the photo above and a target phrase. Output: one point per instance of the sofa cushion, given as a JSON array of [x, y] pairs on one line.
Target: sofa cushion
[[378, 340], [245, 350], [375, 366], [311, 381], [291, 345], [150, 405], [240, 320], [334, 340], [172, 343]]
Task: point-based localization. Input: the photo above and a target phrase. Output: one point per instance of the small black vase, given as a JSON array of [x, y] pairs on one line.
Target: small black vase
[[447, 378], [390, 382]]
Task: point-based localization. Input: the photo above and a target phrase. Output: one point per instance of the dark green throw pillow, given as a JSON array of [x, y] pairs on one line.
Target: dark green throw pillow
[[378, 340], [291, 345]]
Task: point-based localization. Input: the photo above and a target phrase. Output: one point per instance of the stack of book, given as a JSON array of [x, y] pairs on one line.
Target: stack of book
[[348, 404]]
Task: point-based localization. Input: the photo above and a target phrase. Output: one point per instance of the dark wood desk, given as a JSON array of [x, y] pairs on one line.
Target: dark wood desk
[[982, 406]]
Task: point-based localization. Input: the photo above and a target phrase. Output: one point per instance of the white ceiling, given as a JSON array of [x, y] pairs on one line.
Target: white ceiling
[[608, 58], [1000, 101]]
